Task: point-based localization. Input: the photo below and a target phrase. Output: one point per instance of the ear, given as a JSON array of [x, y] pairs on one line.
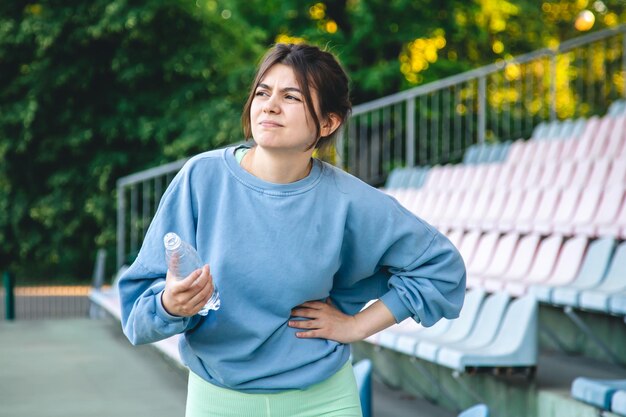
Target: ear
[[330, 124]]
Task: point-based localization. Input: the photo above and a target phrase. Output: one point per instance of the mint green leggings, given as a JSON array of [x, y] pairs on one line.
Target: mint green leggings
[[335, 397]]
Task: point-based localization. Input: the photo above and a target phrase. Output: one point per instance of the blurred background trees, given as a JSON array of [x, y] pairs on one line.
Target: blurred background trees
[[92, 91]]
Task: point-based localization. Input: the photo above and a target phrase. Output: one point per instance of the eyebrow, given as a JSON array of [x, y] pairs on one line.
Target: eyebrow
[[297, 90]]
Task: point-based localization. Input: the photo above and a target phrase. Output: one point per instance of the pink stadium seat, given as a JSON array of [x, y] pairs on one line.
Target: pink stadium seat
[[473, 173], [581, 173], [612, 200], [600, 139], [450, 210], [442, 203], [570, 258], [617, 174], [458, 171], [618, 227], [516, 152], [468, 246], [495, 210], [502, 257], [437, 176], [584, 212], [564, 212], [476, 216], [525, 213], [554, 151], [526, 173], [465, 210], [492, 173], [483, 256], [616, 139], [519, 266], [416, 199], [503, 180], [565, 174], [455, 236], [540, 151], [599, 172], [428, 200], [511, 210], [544, 212], [543, 264], [548, 175]]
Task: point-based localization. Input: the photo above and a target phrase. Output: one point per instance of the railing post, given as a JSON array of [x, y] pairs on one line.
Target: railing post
[[121, 230], [553, 86], [624, 63], [9, 291], [410, 132], [482, 108]]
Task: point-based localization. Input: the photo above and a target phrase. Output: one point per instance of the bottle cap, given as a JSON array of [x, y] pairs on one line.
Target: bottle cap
[[171, 241]]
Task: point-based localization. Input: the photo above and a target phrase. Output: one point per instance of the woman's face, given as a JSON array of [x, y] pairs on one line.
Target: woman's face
[[279, 119]]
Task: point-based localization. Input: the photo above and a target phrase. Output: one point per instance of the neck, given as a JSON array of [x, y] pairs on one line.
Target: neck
[[277, 167]]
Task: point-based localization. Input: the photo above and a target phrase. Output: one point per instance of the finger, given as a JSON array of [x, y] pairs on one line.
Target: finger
[[196, 280], [186, 283], [316, 305], [202, 296], [304, 312], [311, 334], [303, 324]]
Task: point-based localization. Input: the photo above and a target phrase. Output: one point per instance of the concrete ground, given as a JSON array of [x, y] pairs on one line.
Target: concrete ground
[[83, 368], [87, 368]]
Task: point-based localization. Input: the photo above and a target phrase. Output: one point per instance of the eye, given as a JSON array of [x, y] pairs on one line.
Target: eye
[[260, 93], [290, 97]]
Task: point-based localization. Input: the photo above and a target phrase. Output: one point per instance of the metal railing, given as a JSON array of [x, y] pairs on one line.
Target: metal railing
[[435, 123]]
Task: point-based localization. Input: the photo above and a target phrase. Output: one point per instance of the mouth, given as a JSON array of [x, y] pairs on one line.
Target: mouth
[[269, 123]]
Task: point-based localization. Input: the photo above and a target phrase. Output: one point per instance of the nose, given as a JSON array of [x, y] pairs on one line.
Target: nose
[[271, 105]]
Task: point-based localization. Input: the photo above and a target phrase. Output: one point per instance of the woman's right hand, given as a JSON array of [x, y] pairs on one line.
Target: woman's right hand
[[186, 297]]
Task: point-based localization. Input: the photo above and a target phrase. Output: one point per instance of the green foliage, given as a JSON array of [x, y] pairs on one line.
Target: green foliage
[[92, 91]]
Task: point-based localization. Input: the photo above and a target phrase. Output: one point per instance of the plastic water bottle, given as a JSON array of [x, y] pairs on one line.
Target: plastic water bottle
[[182, 259]]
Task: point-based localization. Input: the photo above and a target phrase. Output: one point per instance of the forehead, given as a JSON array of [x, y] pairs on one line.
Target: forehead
[[281, 75]]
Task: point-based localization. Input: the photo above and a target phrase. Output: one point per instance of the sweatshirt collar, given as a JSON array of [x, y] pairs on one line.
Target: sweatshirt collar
[[270, 188]]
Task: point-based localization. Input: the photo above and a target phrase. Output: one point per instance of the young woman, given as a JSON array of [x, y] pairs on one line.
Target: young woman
[[296, 246]]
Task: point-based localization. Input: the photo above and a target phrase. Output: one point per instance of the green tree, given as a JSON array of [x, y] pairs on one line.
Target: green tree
[[92, 91]]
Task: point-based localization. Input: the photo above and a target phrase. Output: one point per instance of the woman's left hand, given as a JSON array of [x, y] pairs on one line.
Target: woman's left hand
[[325, 321]]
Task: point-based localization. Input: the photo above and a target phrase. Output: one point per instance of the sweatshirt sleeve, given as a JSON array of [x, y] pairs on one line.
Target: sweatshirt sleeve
[[420, 273], [144, 320]]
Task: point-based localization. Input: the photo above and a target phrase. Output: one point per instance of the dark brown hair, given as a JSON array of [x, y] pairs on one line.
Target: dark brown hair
[[313, 69]]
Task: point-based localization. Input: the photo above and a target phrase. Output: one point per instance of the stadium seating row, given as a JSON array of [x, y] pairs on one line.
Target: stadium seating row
[[609, 395], [576, 272], [593, 210], [492, 332]]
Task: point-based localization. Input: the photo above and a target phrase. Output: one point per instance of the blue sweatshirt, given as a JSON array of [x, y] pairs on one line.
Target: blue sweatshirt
[[272, 247]]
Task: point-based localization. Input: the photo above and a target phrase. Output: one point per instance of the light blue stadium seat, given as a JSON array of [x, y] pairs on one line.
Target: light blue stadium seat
[[393, 178], [567, 129], [460, 328], [598, 392], [618, 404], [617, 304], [598, 297], [363, 376], [484, 153], [554, 130], [540, 130], [617, 108], [515, 345], [484, 331], [417, 177], [503, 151], [579, 127], [591, 272], [479, 410], [471, 154]]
